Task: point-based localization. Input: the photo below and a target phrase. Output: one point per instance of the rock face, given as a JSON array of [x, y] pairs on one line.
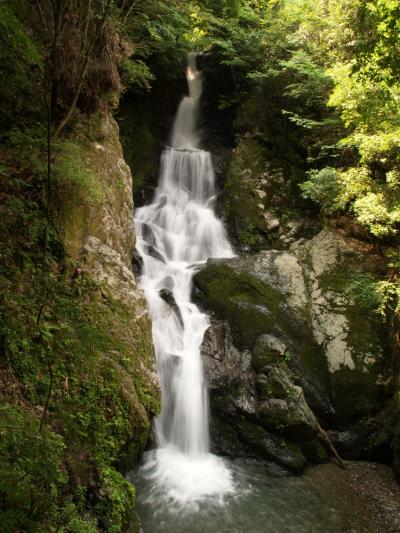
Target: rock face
[[304, 351], [108, 214], [98, 232], [257, 411], [261, 196]]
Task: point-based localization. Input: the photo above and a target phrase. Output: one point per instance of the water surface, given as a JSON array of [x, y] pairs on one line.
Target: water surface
[[265, 500]]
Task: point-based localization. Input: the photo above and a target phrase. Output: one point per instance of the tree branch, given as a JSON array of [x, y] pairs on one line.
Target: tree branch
[[82, 75]]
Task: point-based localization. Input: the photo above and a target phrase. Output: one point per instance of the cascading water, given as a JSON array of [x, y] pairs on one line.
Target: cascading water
[[176, 234], [180, 484]]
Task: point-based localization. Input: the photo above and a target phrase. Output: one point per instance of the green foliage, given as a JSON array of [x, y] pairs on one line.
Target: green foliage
[[56, 336], [378, 30], [31, 471], [159, 33], [310, 82], [288, 356], [118, 501], [20, 59], [136, 74], [17, 39], [249, 235], [323, 188], [362, 289]]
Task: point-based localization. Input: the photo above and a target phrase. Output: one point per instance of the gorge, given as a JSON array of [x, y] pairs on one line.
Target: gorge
[[199, 266]]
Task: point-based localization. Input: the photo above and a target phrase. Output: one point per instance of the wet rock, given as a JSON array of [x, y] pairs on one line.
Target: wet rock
[[267, 349], [254, 308], [271, 447], [367, 438], [291, 416], [275, 382], [137, 263], [153, 252], [332, 346], [168, 297], [314, 451], [268, 400], [229, 372]]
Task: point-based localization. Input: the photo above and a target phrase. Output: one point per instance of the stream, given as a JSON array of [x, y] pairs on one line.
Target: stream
[[326, 499]]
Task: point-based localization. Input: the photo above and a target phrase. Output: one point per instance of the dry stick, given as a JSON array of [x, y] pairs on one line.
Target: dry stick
[[330, 445], [129, 11]]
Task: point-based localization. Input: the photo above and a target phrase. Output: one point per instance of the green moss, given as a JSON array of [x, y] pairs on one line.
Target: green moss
[[239, 196], [355, 390], [253, 308], [75, 390], [250, 305], [94, 409]]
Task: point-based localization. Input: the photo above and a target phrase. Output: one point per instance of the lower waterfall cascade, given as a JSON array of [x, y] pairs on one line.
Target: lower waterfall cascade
[[176, 234]]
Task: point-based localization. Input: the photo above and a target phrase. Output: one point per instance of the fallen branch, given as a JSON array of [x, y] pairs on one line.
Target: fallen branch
[[331, 446]]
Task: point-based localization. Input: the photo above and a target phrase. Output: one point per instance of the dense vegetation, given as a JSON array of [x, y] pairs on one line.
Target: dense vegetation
[[325, 72]]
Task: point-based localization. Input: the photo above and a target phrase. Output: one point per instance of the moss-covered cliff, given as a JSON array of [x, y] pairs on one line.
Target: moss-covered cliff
[[77, 362], [77, 371]]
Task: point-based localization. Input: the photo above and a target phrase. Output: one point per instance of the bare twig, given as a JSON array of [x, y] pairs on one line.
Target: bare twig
[[331, 446], [129, 11]]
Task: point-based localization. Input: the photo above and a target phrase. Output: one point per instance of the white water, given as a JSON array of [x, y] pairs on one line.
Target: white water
[[176, 234]]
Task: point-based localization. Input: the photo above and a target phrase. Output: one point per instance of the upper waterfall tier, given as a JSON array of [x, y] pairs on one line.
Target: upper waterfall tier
[[184, 133]]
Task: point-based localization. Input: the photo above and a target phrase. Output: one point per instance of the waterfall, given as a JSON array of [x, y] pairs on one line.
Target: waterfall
[[176, 234]]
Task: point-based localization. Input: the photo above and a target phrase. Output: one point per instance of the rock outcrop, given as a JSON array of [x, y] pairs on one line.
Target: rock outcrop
[[106, 213], [98, 233], [301, 350]]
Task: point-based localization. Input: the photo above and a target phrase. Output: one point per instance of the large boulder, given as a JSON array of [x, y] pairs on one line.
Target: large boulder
[[257, 413], [291, 305]]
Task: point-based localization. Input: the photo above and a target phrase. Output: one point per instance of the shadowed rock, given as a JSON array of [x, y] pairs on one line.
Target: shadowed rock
[[168, 297]]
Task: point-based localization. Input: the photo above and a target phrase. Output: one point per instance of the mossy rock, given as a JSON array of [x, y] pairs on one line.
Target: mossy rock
[[243, 206], [254, 308], [271, 447], [267, 350]]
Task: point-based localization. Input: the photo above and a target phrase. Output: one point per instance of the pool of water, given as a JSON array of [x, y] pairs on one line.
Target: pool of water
[[265, 500]]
